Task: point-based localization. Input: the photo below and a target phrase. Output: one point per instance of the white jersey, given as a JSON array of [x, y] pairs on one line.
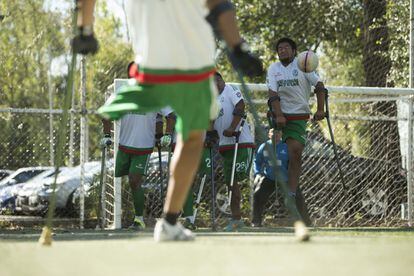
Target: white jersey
[[292, 85], [138, 130], [227, 100], [171, 35]]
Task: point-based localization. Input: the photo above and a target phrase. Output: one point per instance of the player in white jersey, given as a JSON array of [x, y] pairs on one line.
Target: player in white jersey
[[227, 124], [174, 48], [289, 92], [136, 143]]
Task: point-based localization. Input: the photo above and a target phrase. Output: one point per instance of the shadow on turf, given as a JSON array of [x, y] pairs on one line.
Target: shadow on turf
[[64, 235], [90, 235]]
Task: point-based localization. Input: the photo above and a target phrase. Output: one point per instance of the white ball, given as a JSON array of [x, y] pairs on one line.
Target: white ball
[[308, 61]]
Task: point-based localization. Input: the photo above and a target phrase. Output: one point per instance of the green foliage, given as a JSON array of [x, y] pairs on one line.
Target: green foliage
[[32, 36], [397, 14]]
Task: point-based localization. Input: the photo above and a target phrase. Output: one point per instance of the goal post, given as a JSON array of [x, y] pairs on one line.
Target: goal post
[[373, 128]]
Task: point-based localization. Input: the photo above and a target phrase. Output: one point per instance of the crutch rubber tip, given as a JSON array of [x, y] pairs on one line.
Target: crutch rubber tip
[[46, 237], [301, 232]]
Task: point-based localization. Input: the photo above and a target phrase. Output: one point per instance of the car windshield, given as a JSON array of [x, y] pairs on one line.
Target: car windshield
[[23, 177]]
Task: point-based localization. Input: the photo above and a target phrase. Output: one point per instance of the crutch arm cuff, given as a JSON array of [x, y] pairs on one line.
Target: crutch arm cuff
[[272, 99]]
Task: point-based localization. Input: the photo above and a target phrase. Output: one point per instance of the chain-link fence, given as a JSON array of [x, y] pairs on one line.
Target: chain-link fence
[[370, 130], [360, 43]]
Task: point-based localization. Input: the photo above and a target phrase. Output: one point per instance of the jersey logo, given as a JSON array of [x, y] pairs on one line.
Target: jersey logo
[[295, 72], [238, 94], [292, 82], [221, 113]]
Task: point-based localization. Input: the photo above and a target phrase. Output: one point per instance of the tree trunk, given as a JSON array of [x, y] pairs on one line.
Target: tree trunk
[[385, 142]]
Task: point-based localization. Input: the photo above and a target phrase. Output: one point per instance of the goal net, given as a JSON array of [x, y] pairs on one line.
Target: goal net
[[371, 128]]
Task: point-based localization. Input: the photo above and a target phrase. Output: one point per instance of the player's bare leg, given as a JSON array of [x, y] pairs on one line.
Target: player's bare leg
[[295, 150], [135, 182], [183, 169]]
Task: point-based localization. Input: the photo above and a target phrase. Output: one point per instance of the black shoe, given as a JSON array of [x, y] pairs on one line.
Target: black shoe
[[187, 224], [257, 224], [137, 225]]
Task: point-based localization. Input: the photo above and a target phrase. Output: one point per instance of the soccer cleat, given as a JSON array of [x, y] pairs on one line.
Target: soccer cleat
[[137, 224], [234, 225], [189, 225], [257, 224], [164, 231], [301, 231]]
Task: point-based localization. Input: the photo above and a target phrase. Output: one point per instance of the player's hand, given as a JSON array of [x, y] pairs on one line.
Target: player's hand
[[280, 121], [158, 137], [230, 132], [210, 139], [319, 115], [242, 59], [85, 42], [106, 140], [166, 140]]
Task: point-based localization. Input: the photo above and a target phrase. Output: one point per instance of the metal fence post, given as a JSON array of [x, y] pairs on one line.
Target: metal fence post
[[83, 141], [410, 166]]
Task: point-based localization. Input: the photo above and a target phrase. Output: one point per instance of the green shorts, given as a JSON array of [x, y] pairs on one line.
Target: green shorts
[[205, 163], [295, 130], [243, 162], [191, 101], [127, 163]]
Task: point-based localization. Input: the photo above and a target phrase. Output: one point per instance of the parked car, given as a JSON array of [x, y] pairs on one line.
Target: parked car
[[34, 197], [5, 173], [10, 184], [22, 175]]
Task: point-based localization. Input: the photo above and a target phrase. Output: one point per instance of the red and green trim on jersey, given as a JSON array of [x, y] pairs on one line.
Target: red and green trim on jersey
[[296, 117], [232, 146], [135, 151], [167, 76]]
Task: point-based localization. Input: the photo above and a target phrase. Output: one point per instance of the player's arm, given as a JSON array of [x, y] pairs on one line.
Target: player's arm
[[159, 129], [84, 42], [222, 18], [238, 113], [226, 22], [171, 120], [85, 15], [274, 103], [320, 91], [273, 98], [258, 161], [167, 139], [106, 140]]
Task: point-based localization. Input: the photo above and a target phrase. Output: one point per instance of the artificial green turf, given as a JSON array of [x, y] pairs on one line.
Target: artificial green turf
[[330, 252]]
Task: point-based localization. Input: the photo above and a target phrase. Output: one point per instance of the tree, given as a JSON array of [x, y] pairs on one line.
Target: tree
[[29, 38]]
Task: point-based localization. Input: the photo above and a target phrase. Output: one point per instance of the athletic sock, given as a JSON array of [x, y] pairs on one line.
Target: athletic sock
[[138, 197], [171, 218], [292, 194], [188, 205], [141, 218]]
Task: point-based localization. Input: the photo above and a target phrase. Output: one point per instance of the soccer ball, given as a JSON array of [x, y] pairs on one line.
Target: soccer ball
[[308, 61]]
